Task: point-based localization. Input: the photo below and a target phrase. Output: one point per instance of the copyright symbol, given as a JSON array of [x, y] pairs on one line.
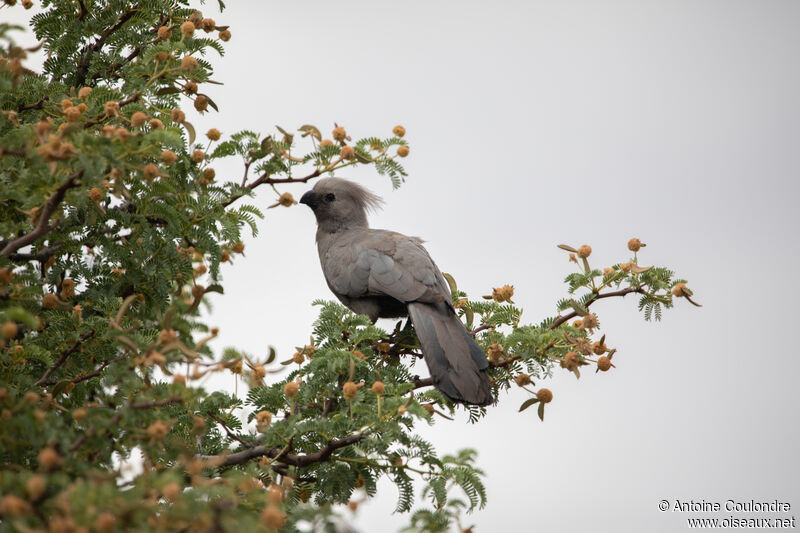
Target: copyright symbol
[[663, 505]]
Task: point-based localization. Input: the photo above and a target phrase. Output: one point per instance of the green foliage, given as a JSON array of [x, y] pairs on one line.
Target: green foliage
[[113, 225]]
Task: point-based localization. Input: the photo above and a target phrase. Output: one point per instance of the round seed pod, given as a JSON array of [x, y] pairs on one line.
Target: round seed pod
[[272, 517], [544, 395], [523, 379], [291, 389], [201, 103], [150, 171], [349, 390], [178, 115], [10, 330], [187, 29], [49, 459], [157, 430], [138, 119], [188, 63]]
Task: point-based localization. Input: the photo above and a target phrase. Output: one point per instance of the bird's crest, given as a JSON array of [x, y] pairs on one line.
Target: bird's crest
[[363, 198]]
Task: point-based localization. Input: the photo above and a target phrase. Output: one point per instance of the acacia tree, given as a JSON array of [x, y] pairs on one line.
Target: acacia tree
[[113, 225]]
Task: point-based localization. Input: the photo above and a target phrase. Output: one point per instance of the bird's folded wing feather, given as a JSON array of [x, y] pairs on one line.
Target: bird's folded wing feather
[[377, 262]]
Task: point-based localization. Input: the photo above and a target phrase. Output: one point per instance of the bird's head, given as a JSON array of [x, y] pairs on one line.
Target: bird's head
[[338, 204]]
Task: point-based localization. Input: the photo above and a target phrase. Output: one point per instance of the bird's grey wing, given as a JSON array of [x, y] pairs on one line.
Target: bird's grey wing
[[400, 267], [377, 262]]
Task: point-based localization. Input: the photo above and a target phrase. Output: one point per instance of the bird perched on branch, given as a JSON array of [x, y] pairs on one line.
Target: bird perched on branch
[[384, 274]]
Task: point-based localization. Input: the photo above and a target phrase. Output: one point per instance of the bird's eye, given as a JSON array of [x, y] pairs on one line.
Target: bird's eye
[[330, 197]]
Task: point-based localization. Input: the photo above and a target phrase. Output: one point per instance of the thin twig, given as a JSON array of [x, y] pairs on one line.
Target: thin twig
[[83, 66], [74, 348], [42, 255], [275, 453], [91, 375], [482, 327], [130, 57], [265, 179], [47, 211], [158, 403], [623, 292], [35, 105], [232, 435]]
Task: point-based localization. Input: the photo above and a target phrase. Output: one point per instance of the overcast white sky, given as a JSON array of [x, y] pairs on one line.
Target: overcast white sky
[[541, 122]]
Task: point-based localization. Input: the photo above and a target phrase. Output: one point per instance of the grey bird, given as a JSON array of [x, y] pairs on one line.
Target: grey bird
[[384, 274]]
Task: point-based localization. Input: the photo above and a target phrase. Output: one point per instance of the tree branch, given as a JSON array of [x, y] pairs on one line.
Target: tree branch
[[130, 57], [157, 403], [44, 380], [83, 66], [266, 179], [419, 383], [561, 319], [35, 105], [91, 375], [42, 255], [275, 453], [231, 434], [42, 227]]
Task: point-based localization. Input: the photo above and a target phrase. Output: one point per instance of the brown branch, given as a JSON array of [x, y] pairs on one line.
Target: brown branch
[[47, 211], [277, 453], [35, 105], [265, 179], [74, 348], [623, 292], [130, 57], [232, 435], [79, 442], [83, 12], [42, 255], [99, 369], [328, 407], [419, 383], [83, 66], [482, 327], [18, 153], [508, 360], [157, 403], [91, 375]]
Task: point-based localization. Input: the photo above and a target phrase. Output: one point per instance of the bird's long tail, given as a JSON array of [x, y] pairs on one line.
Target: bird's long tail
[[456, 362]]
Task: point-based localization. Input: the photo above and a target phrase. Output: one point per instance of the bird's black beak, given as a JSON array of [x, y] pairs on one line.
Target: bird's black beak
[[310, 199]]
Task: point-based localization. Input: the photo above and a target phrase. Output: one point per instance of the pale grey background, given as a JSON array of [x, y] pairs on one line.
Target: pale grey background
[[540, 122]]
